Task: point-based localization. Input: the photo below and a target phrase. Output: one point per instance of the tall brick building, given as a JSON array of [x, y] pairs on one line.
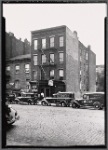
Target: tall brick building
[[58, 55]]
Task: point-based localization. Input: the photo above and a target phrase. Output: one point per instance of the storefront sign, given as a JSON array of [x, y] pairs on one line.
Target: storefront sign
[[50, 82]]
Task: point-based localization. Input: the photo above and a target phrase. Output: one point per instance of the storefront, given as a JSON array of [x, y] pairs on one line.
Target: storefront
[[48, 87]]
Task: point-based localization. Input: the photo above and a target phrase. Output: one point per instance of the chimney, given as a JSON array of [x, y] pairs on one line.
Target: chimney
[[75, 35]]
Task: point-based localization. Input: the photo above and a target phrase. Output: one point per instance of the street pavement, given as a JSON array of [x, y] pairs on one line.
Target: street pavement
[[56, 126]]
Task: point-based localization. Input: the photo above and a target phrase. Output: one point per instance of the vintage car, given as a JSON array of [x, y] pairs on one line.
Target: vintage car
[[11, 115], [93, 99], [29, 98], [60, 98]]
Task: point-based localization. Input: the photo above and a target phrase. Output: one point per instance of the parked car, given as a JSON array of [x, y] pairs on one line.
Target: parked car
[[29, 98], [11, 115], [60, 98], [94, 99]]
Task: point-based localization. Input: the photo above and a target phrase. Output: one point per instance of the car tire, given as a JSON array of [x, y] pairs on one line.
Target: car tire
[[44, 103], [74, 105], [97, 105], [63, 104]]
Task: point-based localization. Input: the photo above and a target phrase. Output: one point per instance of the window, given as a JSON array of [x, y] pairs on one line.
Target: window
[[61, 41], [34, 75], [43, 43], [27, 68], [86, 67], [52, 74], [17, 84], [61, 74], [35, 61], [42, 75], [52, 42], [17, 68], [35, 44], [61, 57], [43, 58], [86, 56], [52, 58], [8, 68]]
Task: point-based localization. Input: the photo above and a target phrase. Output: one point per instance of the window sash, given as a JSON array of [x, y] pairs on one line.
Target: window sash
[[61, 41], [43, 58], [43, 43], [51, 58], [27, 68], [35, 59], [52, 42], [61, 57], [61, 73], [8, 68], [35, 44]]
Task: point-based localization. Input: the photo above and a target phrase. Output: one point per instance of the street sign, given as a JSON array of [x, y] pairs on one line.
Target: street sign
[[50, 82]]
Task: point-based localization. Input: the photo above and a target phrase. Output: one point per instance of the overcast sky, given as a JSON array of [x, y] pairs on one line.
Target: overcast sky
[[86, 19]]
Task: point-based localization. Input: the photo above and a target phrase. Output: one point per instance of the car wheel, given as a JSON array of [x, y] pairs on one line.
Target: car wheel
[[97, 105], [63, 104], [74, 105], [44, 103]]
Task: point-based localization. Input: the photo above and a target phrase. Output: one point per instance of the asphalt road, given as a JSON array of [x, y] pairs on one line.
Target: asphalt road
[[56, 126]]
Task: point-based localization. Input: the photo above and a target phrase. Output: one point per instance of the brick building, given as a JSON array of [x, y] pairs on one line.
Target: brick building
[[18, 61], [58, 55]]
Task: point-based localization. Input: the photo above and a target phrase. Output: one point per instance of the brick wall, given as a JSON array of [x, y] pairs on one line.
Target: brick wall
[[47, 33], [21, 76], [72, 62], [92, 70]]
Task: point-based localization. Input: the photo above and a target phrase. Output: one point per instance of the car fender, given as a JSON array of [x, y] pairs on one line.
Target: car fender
[[76, 102]]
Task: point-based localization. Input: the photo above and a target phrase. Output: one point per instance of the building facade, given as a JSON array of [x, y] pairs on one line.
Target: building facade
[[18, 61], [58, 56]]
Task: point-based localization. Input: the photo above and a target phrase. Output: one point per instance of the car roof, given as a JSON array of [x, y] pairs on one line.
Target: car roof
[[90, 93], [64, 93], [27, 93]]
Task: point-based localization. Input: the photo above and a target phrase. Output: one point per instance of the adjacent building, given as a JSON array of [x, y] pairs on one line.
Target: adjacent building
[[60, 62], [18, 61]]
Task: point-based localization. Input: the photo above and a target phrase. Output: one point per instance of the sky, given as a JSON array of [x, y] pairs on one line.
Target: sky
[[85, 18]]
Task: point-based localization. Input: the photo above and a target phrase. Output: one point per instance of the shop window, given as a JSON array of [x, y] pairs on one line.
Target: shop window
[[61, 41], [35, 59], [52, 42]]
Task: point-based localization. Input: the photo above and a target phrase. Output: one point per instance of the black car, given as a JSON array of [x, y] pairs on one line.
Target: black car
[[93, 99]]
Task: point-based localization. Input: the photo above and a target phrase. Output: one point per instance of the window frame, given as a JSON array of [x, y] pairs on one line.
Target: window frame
[[17, 70], [51, 62], [35, 47], [42, 59], [51, 76], [61, 42], [43, 44], [27, 70], [52, 43], [60, 58], [34, 59]]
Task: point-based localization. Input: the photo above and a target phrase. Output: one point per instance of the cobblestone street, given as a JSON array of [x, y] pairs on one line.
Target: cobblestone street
[[56, 126]]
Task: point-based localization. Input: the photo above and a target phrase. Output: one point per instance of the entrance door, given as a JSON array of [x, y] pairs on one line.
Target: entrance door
[[47, 92]]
